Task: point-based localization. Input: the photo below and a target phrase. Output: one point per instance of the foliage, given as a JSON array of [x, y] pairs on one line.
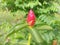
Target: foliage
[[15, 31]]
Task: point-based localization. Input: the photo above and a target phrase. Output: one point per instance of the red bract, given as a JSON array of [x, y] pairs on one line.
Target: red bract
[[31, 18]]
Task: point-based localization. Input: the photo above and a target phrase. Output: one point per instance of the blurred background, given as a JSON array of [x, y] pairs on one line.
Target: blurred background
[[13, 30]]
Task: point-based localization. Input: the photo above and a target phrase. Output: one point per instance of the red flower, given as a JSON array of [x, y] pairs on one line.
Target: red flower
[[31, 18]]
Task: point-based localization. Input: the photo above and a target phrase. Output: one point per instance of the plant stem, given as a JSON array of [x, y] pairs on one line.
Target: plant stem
[[29, 39], [35, 35]]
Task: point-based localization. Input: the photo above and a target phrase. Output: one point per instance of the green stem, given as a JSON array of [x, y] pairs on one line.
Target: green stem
[[29, 39], [35, 35]]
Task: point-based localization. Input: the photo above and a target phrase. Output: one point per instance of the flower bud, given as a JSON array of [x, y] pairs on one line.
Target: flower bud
[[31, 18]]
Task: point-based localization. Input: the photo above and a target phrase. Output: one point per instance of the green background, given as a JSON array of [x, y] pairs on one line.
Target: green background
[[15, 31]]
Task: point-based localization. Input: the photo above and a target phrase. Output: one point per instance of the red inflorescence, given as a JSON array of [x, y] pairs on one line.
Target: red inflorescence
[[31, 18]]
